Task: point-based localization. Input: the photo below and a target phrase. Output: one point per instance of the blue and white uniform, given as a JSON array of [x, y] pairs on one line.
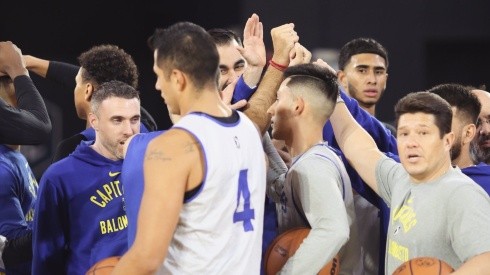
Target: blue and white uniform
[[133, 177], [220, 224]]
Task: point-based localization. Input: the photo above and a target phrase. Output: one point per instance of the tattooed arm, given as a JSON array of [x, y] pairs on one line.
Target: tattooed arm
[[169, 170]]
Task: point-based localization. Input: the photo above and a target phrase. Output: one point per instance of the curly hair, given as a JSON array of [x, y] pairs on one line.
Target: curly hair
[[104, 63]]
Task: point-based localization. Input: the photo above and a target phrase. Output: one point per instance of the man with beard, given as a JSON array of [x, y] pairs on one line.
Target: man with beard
[[466, 107], [481, 143], [80, 217]]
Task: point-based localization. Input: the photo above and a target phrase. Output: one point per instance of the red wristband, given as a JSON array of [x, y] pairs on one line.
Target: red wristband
[[277, 66]]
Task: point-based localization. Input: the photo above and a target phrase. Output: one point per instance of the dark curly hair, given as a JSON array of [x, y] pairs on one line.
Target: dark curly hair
[[104, 63]]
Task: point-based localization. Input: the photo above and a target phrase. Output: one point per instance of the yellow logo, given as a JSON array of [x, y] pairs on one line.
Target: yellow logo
[[113, 174]]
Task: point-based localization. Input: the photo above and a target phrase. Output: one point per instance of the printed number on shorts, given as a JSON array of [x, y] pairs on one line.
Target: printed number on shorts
[[247, 214]]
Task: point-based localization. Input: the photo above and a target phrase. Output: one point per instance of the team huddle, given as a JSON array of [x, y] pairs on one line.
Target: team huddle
[[258, 147]]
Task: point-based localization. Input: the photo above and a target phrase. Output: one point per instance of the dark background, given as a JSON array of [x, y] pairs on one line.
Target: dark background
[[429, 41]]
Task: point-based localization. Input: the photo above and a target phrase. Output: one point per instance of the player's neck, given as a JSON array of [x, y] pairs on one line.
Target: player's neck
[[207, 101], [371, 109], [304, 139], [438, 171], [464, 159]]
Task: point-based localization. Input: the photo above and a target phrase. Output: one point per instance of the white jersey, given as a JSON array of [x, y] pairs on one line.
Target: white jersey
[[220, 226]]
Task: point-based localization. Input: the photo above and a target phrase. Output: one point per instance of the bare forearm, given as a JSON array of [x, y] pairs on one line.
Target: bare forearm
[[36, 65], [357, 145], [252, 75], [477, 265], [132, 265], [263, 98]]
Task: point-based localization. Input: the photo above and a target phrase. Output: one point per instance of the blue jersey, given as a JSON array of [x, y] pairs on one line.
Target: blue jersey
[[386, 143], [242, 91], [80, 218], [18, 189], [132, 176], [480, 174], [383, 137]]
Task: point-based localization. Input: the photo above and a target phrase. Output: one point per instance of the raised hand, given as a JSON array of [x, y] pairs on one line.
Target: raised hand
[[299, 55], [283, 39], [322, 63], [227, 94], [253, 49], [11, 60]]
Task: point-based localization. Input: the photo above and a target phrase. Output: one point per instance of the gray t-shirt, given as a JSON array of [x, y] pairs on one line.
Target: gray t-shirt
[[317, 192], [447, 218]]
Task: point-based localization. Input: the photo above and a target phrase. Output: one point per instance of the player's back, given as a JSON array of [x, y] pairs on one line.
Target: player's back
[[221, 222]]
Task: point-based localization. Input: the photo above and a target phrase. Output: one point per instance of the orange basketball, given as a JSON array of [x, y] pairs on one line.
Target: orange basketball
[[424, 265], [285, 245], [104, 266]]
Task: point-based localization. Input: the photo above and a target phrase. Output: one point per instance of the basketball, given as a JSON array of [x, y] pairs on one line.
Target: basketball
[[104, 266], [423, 265], [285, 245]]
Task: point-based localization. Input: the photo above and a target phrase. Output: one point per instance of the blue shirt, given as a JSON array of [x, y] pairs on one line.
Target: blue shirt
[[80, 217]]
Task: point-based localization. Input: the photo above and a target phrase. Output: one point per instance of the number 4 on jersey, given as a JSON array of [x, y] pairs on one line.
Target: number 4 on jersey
[[247, 214]]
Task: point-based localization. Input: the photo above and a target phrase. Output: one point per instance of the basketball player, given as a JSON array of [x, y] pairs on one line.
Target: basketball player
[[317, 191], [436, 210], [80, 217], [203, 200]]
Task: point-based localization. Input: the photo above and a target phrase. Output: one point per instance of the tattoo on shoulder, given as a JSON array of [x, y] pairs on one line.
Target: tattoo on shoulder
[[190, 147], [157, 155]]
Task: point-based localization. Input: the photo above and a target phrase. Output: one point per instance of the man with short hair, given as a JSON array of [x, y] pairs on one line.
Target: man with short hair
[[80, 217], [209, 218], [453, 229], [363, 72], [99, 64], [241, 62], [363, 65], [466, 109], [316, 192]]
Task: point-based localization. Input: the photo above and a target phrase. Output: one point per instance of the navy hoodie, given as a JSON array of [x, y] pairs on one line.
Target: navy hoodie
[[80, 218]]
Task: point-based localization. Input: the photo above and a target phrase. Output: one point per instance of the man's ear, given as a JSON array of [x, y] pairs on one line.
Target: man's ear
[[342, 79], [89, 89], [93, 120], [449, 140], [298, 105], [469, 132], [179, 79]]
